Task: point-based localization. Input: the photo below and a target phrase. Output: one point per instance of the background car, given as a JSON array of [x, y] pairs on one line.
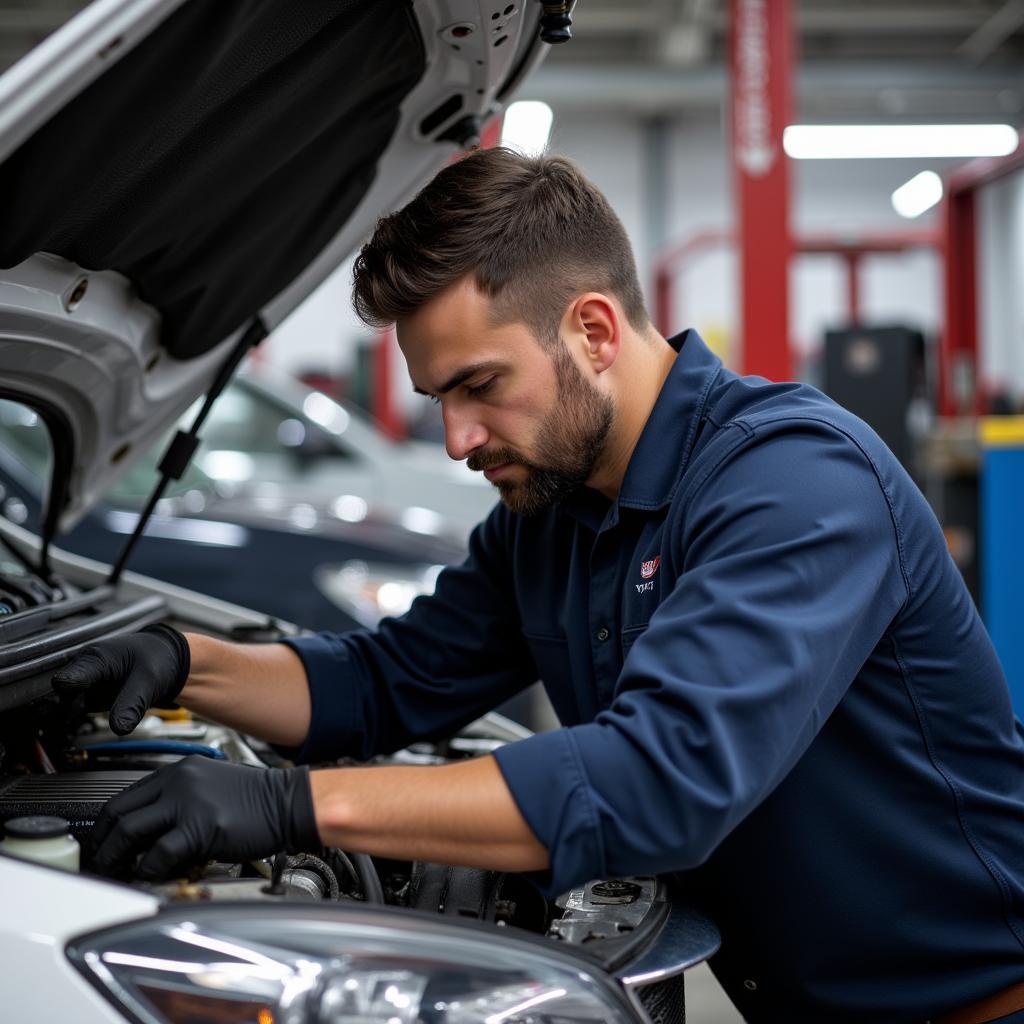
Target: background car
[[270, 428], [304, 555]]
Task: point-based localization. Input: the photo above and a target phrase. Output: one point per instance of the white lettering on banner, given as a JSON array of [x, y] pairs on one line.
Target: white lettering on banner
[[755, 150]]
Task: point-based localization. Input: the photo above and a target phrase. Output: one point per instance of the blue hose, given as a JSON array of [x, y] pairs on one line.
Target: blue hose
[[158, 747]]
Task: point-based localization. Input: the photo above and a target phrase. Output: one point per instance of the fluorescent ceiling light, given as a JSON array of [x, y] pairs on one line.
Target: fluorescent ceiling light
[[921, 193], [881, 141], [526, 127]]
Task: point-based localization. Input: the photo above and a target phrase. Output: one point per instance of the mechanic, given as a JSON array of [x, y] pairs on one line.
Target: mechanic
[[770, 675]]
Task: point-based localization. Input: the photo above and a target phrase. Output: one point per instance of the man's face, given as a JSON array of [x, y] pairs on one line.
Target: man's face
[[527, 417], [568, 441]]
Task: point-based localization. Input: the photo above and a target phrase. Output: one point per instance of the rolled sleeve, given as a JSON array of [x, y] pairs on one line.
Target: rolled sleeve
[[567, 823], [336, 722]]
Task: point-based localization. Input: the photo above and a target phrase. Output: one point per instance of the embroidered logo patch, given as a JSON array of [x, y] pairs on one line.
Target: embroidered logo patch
[[648, 569]]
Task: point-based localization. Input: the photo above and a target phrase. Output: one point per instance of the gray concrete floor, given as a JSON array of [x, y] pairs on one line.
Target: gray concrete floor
[[706, 1003]]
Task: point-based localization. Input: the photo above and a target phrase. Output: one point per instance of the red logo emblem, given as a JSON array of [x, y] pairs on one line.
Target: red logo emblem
[[648, 569]]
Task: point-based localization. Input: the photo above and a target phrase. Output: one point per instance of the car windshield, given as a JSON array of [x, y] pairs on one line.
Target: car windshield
[[24, 435], [244, 427], [135, 486], [242, 420]]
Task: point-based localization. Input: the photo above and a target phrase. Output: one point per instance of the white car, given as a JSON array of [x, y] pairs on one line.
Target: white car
[[271, 428], [177, 176]]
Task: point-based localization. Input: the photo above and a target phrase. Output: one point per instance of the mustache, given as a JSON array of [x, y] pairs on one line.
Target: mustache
[[479, 461]]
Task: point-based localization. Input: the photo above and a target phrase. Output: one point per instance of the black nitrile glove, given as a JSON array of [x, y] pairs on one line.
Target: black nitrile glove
[[199, 810], [128, 674]]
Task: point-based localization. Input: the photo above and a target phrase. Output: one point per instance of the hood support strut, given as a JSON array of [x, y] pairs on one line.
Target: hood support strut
[[181, 449]]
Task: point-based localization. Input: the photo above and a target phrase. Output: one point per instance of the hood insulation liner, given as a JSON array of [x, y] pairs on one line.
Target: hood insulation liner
[[215, 160]]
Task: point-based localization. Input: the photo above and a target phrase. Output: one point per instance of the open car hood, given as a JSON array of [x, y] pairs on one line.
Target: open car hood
[[179, 174]]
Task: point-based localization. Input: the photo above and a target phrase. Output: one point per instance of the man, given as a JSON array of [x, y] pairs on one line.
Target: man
[[770, 675]]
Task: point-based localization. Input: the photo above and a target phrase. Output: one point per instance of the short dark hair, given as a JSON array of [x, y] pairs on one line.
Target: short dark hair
[[533, 231]]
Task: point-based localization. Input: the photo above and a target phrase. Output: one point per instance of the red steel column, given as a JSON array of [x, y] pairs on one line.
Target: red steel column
[[761, 64], [958, 390], [385, 410], [853, 287], [491, 135]]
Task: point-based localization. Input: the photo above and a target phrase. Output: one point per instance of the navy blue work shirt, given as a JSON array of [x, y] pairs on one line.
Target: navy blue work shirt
[[771, 679]]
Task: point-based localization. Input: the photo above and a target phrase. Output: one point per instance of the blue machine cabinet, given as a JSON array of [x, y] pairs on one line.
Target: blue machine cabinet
[[1002, 544]]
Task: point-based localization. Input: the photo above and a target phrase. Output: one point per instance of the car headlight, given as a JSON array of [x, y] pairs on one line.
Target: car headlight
[[318, 965], [368, 591]]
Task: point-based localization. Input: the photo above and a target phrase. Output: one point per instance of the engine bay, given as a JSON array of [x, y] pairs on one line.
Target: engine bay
[[59, 759]]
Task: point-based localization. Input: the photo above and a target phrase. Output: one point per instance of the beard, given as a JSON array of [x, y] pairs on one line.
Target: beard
[[570, 440]]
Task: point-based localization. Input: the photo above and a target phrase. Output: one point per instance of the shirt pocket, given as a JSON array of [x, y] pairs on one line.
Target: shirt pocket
[[554, 669], [550, 655], [630, 635]]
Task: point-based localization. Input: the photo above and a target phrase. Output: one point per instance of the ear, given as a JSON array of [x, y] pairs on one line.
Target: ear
[[594, 320]]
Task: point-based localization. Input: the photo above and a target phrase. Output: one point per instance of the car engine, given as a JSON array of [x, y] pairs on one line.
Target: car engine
[[60, 759]]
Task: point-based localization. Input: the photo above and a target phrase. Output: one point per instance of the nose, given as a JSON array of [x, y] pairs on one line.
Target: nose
[[463, 433]]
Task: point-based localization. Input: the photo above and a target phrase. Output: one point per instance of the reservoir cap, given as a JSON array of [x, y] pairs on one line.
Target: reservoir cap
[[36, 826]]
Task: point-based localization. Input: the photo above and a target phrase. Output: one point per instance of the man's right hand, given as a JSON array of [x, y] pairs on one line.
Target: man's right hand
[[128, 674]]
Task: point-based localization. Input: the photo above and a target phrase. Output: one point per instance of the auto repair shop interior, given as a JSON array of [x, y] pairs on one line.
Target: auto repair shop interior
[[197, 429]]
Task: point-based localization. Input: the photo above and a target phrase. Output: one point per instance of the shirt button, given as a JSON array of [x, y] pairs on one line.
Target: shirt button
[[750, 985], [602, 634]]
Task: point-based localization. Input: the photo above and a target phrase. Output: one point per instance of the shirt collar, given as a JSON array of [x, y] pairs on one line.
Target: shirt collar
[[667, 439], [651, 478]]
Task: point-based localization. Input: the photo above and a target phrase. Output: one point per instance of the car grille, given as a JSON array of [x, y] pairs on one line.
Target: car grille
[[664, 1001]]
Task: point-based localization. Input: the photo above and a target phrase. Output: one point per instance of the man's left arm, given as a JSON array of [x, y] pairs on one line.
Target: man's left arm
[[199, 810], [451, 814]]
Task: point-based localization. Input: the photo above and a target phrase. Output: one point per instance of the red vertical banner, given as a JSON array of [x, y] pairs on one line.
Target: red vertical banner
[[761, 55]]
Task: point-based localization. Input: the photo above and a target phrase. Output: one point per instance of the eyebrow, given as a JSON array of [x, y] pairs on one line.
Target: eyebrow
[[461, 376]]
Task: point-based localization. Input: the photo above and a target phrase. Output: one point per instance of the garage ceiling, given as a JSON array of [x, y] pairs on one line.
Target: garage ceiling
[[873, 59], [688, 31]]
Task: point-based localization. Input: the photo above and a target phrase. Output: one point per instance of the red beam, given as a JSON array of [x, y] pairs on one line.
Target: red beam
[[983, 170], [667, 268], [761, 55], [872, 242], [672, 262]]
